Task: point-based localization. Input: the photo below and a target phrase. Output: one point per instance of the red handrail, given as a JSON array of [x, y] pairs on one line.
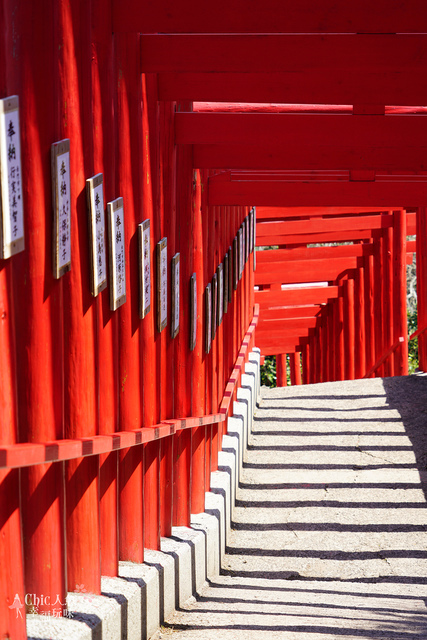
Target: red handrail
[[384, 357], [417, 333], [27, 454]]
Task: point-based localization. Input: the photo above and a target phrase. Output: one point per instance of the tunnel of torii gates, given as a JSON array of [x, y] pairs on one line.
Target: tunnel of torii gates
[[137, 141]]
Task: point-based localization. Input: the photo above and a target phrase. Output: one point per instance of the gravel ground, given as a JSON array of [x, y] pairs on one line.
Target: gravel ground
[[330, 533]]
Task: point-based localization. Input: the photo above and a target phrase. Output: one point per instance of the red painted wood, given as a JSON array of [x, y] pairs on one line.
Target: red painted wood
[[198, 370], [399, 292], [304, 271], [334, 193], [295, 365], [131, 540], [421, 283], [183, 356], [380, 346], [388, 296], [394, 347], [167, 155], [369, 311], [313, 141], [339, 336], [360, 334], [349, 330], [271, 17], [148, 329], [303, 295], [36, 313], [306, 86], [215, 229], [106, 352], [305, 364], [277, 313], [281, 373], [11, 557], [341, 131], [312, 253], [285, 325], [282, 213], [315, 238], [331, 341], [365, 54], [322, 226]]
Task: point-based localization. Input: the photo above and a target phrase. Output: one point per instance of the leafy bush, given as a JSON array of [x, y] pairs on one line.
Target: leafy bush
[[268, 371], [413, 344]]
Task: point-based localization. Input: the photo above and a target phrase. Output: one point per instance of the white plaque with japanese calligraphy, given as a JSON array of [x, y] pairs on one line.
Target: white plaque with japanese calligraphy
[[60, 160], [162, 284], [240, 252], [11, 202], [208, 318], [220, 278], [214, 304], [226, 281], [95, 203], [175, 295], [193, 314], [145, 268], [235, 269], [117, 253], [230, 274], [254, 237]]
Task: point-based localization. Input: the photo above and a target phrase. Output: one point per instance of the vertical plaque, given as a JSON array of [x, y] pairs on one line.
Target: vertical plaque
[[117, 253], [254, 236], [243, 245], [220, 280], [226, 280], [11, 202], [61, 184], [247, 228], [235, 262], [175, 295], [193, 311], [162, 284], [208, 318], [240, 236], [214, 304], [144, 268], [230, 273], [95, 204], [252, 214]]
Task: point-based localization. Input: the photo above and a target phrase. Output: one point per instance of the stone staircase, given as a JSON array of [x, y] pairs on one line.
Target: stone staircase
[[329, 530]]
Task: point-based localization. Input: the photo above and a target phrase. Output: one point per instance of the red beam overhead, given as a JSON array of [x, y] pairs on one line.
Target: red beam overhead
[[405, 193], [275, 313], [281, 213], [270, 16], [292, 141], [291, 128], [364, 55], [300, 296], [313, 253], [285, 326], [307, 87], [304, 271], [315, 238], [319, 225]]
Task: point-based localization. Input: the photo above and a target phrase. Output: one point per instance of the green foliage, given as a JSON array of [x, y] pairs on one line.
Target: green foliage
[[413, 344], [268, 371]]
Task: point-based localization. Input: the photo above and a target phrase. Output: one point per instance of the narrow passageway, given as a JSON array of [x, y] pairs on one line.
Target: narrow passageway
[[330, 529]]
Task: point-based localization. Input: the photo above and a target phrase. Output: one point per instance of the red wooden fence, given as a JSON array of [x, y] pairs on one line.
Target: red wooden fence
[[109, 428]]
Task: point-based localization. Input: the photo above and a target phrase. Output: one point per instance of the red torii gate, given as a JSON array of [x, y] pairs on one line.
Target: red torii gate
[[81, 382]]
